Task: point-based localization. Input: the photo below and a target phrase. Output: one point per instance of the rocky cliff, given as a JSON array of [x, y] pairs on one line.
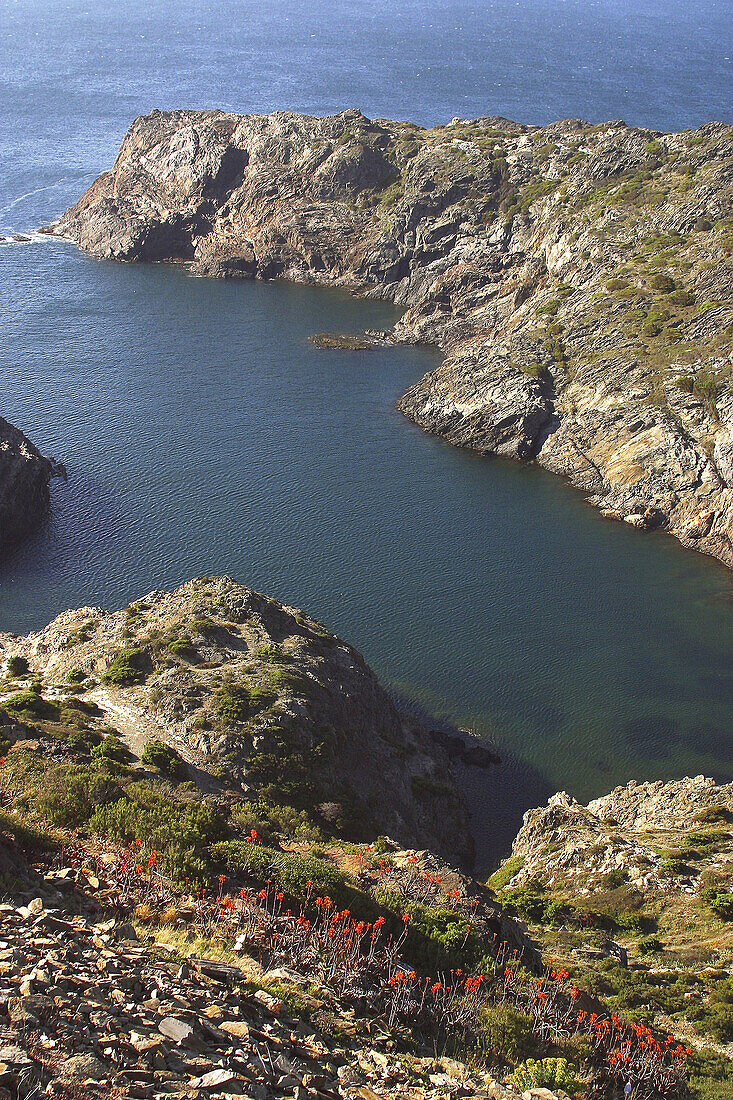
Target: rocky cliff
[[24, 478], [634, 894], [578, 278], [259, 701]]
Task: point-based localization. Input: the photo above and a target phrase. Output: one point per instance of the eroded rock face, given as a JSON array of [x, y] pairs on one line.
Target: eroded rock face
[[24, 478], [630, 832], [262, 697], [578, 278]]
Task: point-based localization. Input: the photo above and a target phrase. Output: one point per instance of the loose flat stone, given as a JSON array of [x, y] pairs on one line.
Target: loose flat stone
[[237, 1028], [176, 1030], [221, 1080]]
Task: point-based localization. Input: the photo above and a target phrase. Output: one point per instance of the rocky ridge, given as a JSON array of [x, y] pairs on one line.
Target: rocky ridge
[[24, 479], [634, 894], [578, 278], [626, 831], [254, 696]]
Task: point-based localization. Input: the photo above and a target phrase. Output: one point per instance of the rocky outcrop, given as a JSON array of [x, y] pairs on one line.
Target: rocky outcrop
[[578, 278], [630, 831], [24, 478], [261, 698]]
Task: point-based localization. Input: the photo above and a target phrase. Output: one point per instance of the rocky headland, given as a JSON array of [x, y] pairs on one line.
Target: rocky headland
[[577, 278], [24, 485], [255, 697]]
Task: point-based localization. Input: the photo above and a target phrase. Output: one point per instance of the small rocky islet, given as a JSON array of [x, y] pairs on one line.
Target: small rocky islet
[[25, 475], [233, 865], [578, 278]]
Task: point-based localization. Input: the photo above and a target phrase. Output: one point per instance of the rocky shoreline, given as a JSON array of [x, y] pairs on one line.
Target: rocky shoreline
[[577, 278], [24, 485]]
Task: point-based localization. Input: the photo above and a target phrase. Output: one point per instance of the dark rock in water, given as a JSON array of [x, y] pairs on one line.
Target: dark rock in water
[[24, 479], [465, 747], [532, 256], [349, 341]]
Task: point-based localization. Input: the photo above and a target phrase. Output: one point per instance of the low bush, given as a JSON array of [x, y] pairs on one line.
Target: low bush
[[270, 821], [29, 705], [237, 703], [128, 667], [70, 793], [297, 875], [505, 1032], [157, 754], [545, 1073], [720, 900], [180, 832], [17, 666], [663, 283], [111, 748]]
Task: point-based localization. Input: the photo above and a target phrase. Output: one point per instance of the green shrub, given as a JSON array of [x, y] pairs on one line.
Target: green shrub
[[270, 821], [273, 654], [530, 905], [128, 667], [705, 840], [674, 866], [505, 1033], [545, 1073], [17, 666], [661, 282], [158, 755], [237, 703], [68, 794], [111, 748], [291, 871], [76, 676], [29, 705], [714, 815], [84, 739], [649, 945], [720, 901], [719, 1017], [506, 873], [180, 832], [706, 386]]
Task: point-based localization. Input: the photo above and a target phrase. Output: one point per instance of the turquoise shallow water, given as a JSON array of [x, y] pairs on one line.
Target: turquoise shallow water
[[204, 434]]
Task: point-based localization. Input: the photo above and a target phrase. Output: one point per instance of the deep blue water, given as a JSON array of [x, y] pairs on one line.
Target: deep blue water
[[203, 434]]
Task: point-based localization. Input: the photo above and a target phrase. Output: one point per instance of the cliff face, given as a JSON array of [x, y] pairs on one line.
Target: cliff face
[[260, 700], [633, 893], [577, 277], [24, 478]]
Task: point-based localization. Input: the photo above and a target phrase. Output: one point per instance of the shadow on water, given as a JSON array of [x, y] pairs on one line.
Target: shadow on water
[[498, 797]]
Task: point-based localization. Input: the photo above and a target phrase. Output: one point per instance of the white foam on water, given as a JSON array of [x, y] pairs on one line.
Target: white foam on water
[[26, 238]]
